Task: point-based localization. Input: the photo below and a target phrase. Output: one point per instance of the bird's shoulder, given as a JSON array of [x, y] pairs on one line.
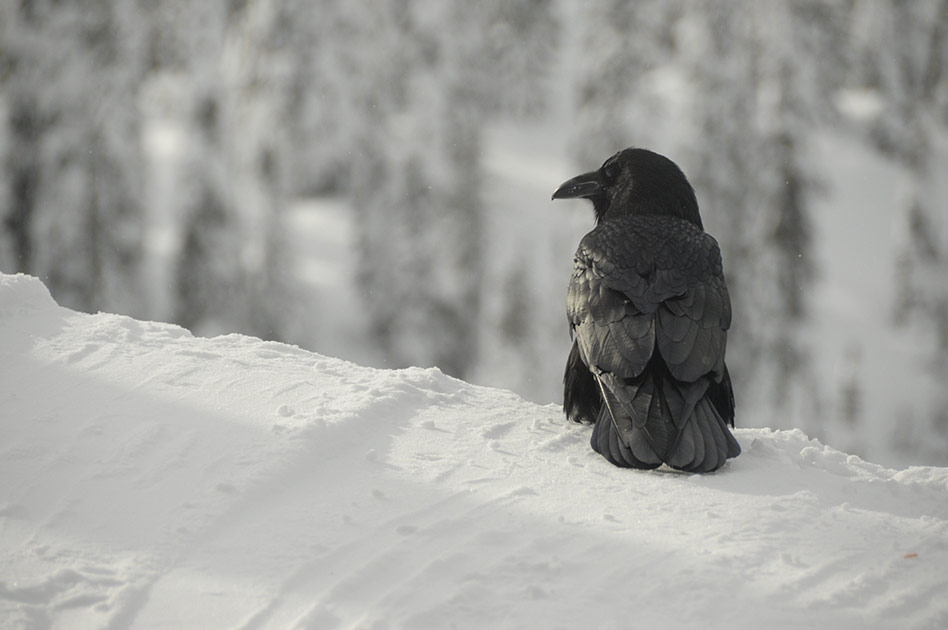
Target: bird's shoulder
[[644, 244], [644, 283]]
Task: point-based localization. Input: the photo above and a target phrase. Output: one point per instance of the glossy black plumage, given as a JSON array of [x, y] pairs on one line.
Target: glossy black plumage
[[649, 310]]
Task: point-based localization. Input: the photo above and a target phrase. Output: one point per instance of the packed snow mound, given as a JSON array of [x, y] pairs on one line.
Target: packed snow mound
[[151, 479]]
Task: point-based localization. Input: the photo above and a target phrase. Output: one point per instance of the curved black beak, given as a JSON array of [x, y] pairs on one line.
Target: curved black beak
[[585, 185]]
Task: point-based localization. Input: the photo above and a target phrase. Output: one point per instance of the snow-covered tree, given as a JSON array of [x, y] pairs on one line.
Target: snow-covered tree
[[622, 45], [72, 208], [425, 80], [232, 185], [900, 56], [320, 123]]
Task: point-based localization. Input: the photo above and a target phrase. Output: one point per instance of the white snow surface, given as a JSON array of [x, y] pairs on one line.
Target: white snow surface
[[152, 479]]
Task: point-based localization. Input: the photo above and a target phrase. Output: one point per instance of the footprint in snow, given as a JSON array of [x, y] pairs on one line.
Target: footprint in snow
[[81, 354], [498, 430]]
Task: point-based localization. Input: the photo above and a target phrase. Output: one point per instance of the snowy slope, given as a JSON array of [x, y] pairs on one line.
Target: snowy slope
[[150, 479]]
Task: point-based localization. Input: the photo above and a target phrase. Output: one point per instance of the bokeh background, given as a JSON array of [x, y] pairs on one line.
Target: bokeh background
[[372, 180]]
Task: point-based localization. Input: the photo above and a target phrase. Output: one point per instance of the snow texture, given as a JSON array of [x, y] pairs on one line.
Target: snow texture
[[151, 479]]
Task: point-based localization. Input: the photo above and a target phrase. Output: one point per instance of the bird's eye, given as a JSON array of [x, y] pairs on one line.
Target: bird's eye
[[610, 171]]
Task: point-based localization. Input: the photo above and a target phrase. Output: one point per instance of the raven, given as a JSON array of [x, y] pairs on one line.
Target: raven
[[648, 312]]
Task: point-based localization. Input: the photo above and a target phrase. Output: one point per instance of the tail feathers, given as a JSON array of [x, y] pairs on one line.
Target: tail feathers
[[635, 428], [630, 430], [705, 442], [607, 442]]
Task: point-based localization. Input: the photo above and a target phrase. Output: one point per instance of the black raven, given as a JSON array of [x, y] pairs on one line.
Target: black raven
[[649, 311]]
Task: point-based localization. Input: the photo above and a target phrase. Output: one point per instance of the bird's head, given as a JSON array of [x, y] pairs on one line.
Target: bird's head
[[635, 181]]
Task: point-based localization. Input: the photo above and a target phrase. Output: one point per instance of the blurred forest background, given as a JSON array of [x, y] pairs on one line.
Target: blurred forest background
[[371, 180]]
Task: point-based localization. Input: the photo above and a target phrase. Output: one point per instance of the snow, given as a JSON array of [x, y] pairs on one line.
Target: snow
[[152, 479]]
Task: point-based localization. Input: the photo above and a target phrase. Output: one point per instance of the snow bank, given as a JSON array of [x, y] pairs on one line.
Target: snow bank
[[151, 479]]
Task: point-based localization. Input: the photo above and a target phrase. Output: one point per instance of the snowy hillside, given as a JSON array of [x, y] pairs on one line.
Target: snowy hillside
[[151, 479]]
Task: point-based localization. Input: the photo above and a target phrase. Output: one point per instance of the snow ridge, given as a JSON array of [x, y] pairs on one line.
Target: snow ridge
[[154, 479]]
